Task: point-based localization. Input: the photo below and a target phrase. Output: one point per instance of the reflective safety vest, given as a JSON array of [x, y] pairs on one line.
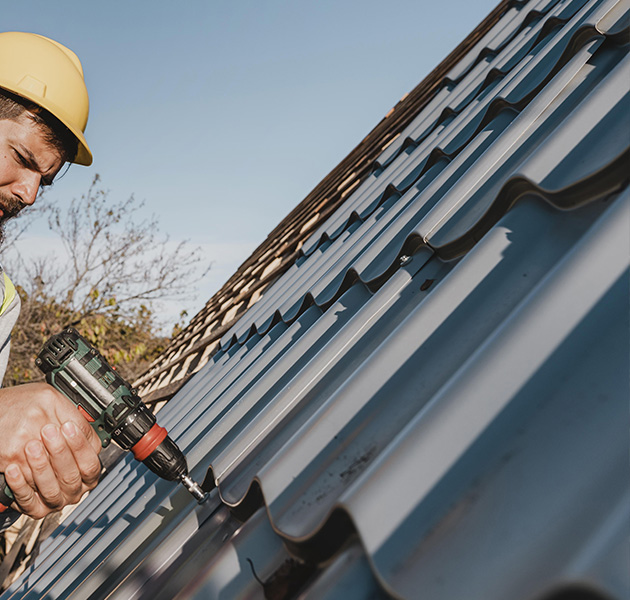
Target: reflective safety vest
[[9, 311]]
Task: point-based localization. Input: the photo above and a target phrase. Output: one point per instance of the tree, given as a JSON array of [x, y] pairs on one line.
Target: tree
[[116, 266]]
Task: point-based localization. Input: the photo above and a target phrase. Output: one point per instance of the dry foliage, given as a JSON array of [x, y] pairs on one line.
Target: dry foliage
[[116, 266]]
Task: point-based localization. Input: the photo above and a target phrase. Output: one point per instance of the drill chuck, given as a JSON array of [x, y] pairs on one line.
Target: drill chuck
[[167, 461]]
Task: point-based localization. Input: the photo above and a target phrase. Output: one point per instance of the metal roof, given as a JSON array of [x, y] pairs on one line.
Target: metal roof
[[431, 400], [195, 345]]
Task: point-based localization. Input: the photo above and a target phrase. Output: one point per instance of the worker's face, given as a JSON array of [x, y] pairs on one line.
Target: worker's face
[[27, 162]]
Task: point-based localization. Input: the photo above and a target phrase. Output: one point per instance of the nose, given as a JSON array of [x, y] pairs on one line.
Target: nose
[[27, 186]]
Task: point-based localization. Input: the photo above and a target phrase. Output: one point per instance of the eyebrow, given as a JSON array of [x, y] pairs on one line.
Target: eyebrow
[[33, 164]]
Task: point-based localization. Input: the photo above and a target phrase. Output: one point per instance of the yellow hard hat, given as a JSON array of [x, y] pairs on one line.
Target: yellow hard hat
[[50, 75]]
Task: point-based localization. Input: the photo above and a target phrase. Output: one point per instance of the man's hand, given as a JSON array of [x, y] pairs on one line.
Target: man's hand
[[48, 451]]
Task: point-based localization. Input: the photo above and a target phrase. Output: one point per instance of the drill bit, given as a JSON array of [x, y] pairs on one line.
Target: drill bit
[[193, 488]]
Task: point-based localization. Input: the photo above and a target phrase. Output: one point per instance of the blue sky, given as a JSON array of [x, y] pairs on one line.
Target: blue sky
[[224, 115]]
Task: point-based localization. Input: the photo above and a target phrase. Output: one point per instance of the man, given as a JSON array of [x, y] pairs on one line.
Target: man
[[48, 451]]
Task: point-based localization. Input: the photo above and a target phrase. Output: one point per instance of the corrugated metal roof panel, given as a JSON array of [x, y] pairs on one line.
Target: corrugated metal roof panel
[[470, 99], [433, 396], [287, 239]]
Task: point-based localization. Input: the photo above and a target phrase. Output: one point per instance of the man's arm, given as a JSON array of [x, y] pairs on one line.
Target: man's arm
[[48, 451]]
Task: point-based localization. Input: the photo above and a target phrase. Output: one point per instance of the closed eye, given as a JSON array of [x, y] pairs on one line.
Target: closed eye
[[22, 159], [26, 162]]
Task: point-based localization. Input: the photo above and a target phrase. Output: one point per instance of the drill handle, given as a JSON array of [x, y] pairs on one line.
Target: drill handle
[[6, 496]]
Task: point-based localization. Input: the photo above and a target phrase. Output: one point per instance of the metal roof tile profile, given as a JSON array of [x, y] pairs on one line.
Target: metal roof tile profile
[[430, 399]]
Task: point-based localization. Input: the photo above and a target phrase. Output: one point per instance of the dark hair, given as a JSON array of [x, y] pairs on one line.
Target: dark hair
[[55, 132]]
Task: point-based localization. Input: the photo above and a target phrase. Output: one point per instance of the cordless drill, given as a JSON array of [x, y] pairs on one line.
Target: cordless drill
[[111, 405]]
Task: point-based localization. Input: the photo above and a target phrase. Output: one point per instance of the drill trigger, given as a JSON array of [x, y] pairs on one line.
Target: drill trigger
[[85, 413]]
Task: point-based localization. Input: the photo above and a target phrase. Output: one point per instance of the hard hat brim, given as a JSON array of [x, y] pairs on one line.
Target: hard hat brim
[[84, 154]]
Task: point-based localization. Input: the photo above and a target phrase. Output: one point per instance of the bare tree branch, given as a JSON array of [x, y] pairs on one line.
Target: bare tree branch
[[116, 266]]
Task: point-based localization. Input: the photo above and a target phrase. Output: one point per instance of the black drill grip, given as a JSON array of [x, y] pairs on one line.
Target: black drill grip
[[6, 497]]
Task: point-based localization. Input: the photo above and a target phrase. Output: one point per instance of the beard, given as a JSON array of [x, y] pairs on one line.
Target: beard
[[11, 207]]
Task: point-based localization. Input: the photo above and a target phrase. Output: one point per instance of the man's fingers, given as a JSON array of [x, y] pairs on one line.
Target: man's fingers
[[63, 468], [54, 464], [25, 496], [84, 454], [44, 475], [88, 433], [91, 436], [67, 411], [63, 463]]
